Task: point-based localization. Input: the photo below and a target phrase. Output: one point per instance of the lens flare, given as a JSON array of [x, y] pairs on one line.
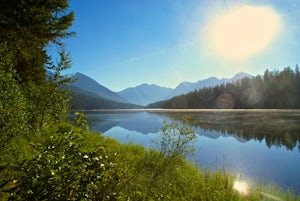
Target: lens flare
[[243, 31], [241, 187]]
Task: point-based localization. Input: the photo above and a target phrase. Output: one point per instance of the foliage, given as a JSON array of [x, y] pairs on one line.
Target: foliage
[[81, 120], [30, 103], [176, 140], [27, 27], [276, 90], [63, 169], [12, 109], [61, 65], [46, 104], [12, 102]]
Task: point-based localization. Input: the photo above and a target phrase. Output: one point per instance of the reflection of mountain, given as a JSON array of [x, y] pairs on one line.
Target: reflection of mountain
[[215, 134], [277, 127], [102, 126], [141, 122]]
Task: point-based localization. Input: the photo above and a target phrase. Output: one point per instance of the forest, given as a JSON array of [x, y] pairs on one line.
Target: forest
[[274, 90]]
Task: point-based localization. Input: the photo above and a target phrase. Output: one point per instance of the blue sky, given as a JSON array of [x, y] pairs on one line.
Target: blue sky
[[122, 44]]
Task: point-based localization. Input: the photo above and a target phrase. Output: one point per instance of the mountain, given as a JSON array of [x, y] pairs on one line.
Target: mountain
[[145, 94], [85, 100], [239, 76], [186, 87], [87, 84], [89, 94]]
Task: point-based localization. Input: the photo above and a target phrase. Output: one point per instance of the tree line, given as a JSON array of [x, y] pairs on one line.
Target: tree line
[[274, 90]]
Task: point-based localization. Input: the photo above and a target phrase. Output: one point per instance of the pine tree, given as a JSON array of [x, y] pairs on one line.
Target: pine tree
[[27, 28]]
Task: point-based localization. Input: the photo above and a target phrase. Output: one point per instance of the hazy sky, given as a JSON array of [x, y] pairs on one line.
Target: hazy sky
[[122, 44]]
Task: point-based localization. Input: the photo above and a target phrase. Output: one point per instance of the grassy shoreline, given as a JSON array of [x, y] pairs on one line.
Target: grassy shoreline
[[72, 163]]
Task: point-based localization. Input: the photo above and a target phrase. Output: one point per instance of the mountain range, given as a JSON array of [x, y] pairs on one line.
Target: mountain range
[[186, 87], [89, 94], [145, 94]]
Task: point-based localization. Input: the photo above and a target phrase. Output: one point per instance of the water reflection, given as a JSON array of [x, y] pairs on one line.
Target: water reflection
[[274, 127], [259, 144]]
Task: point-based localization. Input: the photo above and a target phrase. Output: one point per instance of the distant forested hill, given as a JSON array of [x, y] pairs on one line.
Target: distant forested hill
[[88, 84], [87, 94], [275, 89], [84, 100]]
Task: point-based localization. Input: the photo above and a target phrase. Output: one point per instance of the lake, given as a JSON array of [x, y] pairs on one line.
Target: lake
[[260, 145]]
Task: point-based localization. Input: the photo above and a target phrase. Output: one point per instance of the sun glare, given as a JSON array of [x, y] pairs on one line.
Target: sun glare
[[241, 187], [243, 31]]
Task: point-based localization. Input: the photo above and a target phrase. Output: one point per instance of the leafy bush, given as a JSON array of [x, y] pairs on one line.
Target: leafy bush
[[64, 169], [177, 140], [12, 109], [46, 105], [81, 120]]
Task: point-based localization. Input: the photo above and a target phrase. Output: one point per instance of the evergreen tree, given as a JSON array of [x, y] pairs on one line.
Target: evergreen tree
[[27, 28]]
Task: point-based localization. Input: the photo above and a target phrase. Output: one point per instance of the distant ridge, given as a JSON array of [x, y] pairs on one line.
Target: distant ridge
[[87, 94], [186, 87], [84, 100], [86, 83], [145, 94]]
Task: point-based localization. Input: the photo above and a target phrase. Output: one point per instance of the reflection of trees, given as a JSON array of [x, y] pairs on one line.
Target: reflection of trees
[[278, 136], [277, 128]]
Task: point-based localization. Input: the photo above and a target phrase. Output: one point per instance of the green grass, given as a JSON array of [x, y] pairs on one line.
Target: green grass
[[65, 159]]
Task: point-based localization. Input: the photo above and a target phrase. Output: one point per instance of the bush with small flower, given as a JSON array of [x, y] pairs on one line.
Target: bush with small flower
[[63, 169]]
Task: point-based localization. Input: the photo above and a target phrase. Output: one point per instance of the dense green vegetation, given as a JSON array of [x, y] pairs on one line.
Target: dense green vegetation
[[42, 157], [274, 90], [29, 101]]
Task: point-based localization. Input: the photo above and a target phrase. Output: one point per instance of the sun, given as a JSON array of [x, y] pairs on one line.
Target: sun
[[243, 31]]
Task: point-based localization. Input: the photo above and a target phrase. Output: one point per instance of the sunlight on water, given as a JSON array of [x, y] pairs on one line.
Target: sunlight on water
[[270, 196], [241, 187]]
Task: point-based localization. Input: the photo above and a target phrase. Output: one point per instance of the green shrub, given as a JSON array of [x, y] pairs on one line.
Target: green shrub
[[12, 109], [176, 140], [63, 169]]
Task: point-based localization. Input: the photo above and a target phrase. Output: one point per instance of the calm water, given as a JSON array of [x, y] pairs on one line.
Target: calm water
[[259, 144]]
